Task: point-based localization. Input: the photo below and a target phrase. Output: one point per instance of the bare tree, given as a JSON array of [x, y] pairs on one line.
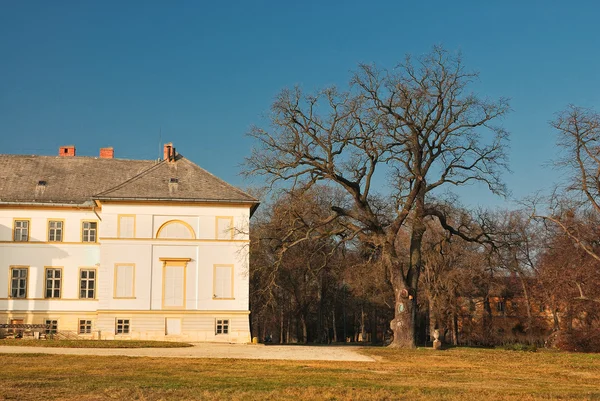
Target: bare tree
[[577, 202], [418, 123]]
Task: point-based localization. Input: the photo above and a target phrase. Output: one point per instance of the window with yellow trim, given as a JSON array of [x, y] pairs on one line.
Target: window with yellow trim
[[55, 231], [21, 230]]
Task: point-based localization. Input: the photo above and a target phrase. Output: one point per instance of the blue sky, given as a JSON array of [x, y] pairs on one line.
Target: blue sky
[[113, 73]]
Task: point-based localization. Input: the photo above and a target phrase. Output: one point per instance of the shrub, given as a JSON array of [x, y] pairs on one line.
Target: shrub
[[586, 340]]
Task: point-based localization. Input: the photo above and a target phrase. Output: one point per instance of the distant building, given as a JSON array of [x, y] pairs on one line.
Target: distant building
[[123, 249]]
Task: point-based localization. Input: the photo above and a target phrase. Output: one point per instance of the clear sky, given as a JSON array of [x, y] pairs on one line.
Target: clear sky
[[112, 73]]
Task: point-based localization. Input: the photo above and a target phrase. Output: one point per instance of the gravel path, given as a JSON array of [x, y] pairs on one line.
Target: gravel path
[[208, 350]]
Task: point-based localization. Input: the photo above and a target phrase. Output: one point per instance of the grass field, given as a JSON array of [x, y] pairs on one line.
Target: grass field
[[455, 374], [91, 344]]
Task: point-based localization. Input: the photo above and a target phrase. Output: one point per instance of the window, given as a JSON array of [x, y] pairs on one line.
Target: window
[[223, 282], [126, 226], [85, 326], [124, 279], [174, 285], [21, 230], [122, 326], [18, 282], [224, 227], [87, 283], [500, 306], [176, 229], [55, 231], [53, 283], [51, 326], [172, 326], [222, 326], [89, 230]]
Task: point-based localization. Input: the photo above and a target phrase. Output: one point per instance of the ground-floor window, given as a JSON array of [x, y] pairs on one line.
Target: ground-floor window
[[122, 326], [222, 326], [85, 326], [51, 326]]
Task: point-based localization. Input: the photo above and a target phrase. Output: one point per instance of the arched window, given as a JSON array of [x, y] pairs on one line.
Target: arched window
[[176, 229]]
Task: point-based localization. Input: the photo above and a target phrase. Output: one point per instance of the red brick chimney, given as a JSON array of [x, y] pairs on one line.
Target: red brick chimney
[[67, 151], [169, 152], [107, 153]]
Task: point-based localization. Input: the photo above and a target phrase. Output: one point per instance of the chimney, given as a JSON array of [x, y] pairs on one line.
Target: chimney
[[169, 152], [107, 153], [67, 151]]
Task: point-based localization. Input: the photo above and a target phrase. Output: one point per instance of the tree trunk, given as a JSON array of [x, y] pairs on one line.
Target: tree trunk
[[281, 328], [304, 329], [527, 305], [487, 320], [405, 290], [335, 338], [454, 328]]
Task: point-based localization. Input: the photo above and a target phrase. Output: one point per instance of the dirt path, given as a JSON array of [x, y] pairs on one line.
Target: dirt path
[[207, 350]]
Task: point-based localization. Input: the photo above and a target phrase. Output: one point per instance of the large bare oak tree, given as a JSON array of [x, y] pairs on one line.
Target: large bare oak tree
[[419, 124]]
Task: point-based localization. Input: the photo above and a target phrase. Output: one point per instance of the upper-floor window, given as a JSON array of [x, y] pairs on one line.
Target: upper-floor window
[[87, 283], [124, 280], [224, 227], [55, 230], [53, 283], [21, 230], [89, 231], [18, 282], [126, 226], [223, 282], [176, 229], [500, 306]]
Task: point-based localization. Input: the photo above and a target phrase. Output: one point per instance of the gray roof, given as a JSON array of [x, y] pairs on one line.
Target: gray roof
[[80, 180]]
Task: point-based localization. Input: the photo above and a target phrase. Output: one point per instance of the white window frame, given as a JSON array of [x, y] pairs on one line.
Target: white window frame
[[54, 287], [24, 226], [222, 327], [122, 326], [89, 233], [18, 279], [88, 280], [57, 230]]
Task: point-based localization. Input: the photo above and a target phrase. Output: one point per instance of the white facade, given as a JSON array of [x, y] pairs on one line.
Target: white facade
[[154, 270]]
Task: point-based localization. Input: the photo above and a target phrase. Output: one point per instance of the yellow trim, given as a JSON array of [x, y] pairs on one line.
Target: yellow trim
[[62, 234], [132, 296], [215, 282], [95, 284], [119, 224], [46, 242], [180, 326], [174, 262], [15, 219], [217, 218], [46, 268], [182, 203], [182, 312], [170, 239], [172, 222], [97, 231], [10, 269], [43, 207], [130, 312], [50, 299]]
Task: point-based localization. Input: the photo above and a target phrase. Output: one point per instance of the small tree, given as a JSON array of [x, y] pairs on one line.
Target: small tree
[[419, 124]]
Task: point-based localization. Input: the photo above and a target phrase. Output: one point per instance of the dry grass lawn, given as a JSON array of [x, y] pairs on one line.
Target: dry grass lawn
[[455, 374]]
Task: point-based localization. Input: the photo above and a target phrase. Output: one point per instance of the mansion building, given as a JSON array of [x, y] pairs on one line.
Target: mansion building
[[123, 249]]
